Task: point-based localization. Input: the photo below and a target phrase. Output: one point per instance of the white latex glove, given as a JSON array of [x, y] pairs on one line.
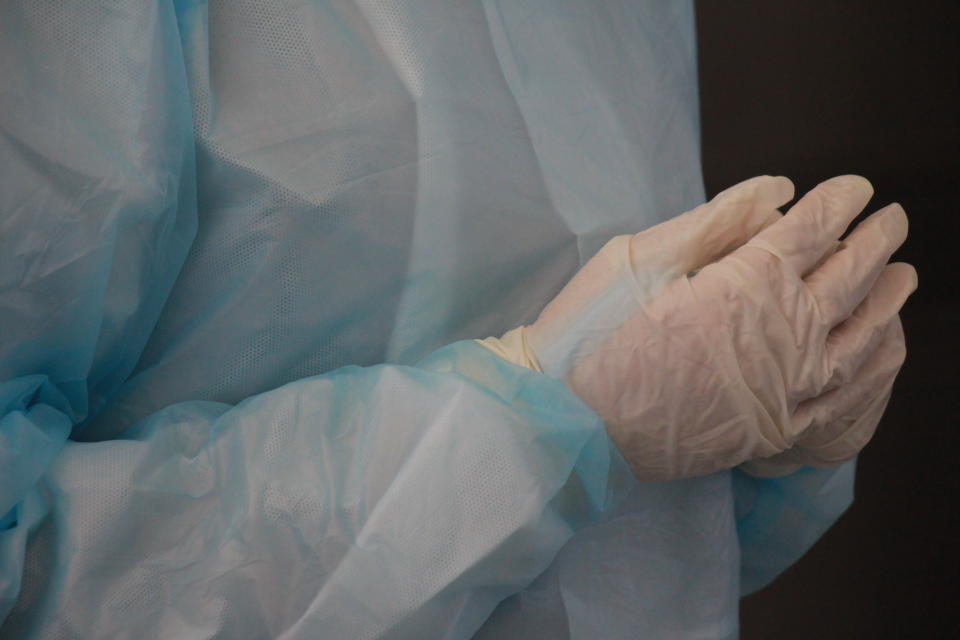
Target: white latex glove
[[782, 341]]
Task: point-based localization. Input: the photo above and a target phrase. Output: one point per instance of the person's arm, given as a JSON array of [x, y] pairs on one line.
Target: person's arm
[[374, 502]]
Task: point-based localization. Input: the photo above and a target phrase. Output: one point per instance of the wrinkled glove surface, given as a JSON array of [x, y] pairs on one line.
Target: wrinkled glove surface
[[733, 334]]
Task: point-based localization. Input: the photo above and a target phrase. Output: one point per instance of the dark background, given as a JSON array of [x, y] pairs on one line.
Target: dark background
[[821, 88]]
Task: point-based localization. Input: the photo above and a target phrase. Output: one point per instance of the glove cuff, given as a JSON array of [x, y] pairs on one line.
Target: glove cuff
[[512, 346]]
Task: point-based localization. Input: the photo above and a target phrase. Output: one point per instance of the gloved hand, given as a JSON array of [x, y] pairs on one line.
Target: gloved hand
[[733, 334]]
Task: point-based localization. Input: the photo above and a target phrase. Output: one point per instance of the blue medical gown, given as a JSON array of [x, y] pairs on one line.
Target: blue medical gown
[[243, 246]]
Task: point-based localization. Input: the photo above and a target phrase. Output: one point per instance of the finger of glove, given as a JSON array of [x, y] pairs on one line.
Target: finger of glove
[[851, 441], [712, 230], [855, 434], [845, 278], [838, 424], [835, 246], [807, 231], [853, 341]]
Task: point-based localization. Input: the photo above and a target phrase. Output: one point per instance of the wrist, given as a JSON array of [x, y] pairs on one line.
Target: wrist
[[513, 347]]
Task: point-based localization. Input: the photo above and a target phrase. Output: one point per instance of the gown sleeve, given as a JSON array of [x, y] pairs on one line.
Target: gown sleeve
[[373, 502], [779, 519]]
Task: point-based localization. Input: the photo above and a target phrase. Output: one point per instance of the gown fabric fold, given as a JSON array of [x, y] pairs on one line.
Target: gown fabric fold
[[243, 248]]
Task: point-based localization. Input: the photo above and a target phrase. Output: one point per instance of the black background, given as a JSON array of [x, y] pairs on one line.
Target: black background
[[821, 88]]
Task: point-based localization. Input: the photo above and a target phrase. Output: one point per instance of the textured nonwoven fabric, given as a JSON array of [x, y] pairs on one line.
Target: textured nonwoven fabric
[[243, 245]]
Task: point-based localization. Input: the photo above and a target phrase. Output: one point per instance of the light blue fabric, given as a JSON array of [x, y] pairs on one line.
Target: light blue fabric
[[242, 247]]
